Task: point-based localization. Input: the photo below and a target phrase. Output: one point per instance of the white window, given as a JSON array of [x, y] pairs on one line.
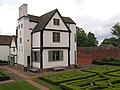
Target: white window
[[55, 55]]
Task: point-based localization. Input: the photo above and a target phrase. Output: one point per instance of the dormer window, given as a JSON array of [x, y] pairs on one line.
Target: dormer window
[[56, 21]]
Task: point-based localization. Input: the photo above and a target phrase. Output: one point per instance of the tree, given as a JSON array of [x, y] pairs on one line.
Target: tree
[[112, 40], [91, 40], [85, 40], [81, 37], [116, 31]]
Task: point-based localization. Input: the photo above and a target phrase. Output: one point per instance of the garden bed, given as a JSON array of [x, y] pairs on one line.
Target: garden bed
[[2, 63], [90, 78], [93, 83], [3, 77], [58, 78], [102, 69]]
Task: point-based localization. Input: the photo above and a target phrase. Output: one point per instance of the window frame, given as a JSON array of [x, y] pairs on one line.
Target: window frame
[[56, 21], [56, 55], [56, 36], [36, 56], [20, 40]]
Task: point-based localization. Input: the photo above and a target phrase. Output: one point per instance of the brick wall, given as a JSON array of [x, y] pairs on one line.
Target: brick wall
[[85, 55]]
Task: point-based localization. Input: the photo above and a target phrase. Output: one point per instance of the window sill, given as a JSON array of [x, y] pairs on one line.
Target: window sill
[[56, 61]]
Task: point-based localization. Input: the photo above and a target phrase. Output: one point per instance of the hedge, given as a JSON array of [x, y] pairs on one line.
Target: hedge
[[3, 77], [3, 62], [58, 78], [104, 69]]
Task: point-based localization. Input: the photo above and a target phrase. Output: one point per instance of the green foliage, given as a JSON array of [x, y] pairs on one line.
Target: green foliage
[[58, 78], [46, 84], [116, 30], [108, 61], [85, 40], [91, 40], [102, 80], [112, 40], [3, 77], [3, 62], [102, 69]]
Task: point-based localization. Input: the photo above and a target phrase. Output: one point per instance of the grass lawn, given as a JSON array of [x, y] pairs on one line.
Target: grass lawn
[[17, 85], [50, 86]]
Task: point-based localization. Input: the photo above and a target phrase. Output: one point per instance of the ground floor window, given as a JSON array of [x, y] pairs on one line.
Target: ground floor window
[[55, 55], [36, 56]]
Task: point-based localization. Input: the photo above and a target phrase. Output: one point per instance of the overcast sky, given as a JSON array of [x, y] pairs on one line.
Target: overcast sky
[[97, 16]]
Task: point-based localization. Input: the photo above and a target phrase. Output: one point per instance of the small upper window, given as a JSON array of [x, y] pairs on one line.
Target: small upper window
[[56, 21], [21, 25], [13, 49], [20, 40]]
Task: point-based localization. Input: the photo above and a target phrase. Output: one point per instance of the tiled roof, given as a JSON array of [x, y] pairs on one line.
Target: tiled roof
[[33, 18], [5, 39], [68, 20], [44, 19]]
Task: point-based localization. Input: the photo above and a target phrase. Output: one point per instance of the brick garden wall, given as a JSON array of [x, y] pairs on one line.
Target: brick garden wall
[[85, 55]]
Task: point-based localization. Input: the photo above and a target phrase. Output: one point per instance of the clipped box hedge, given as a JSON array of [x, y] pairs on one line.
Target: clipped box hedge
[[93, 83], [102, 69], [58, 78], [2, 63], [3, 77]]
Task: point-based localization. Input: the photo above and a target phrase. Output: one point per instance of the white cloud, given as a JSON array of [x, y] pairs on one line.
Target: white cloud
[[97, 16]]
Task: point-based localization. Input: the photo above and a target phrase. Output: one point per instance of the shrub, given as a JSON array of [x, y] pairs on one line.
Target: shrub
[[58, 78], [3, 62], [3, 77]]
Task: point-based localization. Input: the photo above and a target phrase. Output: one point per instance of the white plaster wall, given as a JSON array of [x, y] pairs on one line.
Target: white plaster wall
[[13, 53], [20, 54], [59, 27], [48, 39], [4, 52], [32, 25], [73, 44], [27, 40], [36, 64], [47, 64], [36, 39]]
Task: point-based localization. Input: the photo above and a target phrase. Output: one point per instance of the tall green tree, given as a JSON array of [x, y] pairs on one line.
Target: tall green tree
[[84, 39], [81, 37], [116, 31]]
